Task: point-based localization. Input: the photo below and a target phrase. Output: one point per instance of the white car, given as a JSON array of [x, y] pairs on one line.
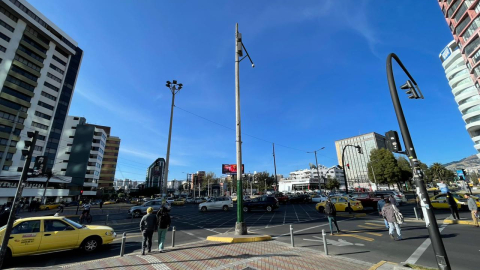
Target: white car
[[319, 198], [219, 203]]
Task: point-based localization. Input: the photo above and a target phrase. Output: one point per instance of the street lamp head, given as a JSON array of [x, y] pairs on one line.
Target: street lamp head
[[174, 81]]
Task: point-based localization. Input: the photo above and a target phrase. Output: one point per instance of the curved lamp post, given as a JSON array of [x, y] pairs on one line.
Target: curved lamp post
[[430, 221], [359, 148]]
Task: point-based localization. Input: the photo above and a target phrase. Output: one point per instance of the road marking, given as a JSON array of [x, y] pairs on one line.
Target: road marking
[[355, 236], [339, 243], [370, 227], [191, 234], [306, 212], [372, 233], [306, 229], [226, 222], [296, 212], [375, 224], [270, 219], [421, 249], [257, 220]]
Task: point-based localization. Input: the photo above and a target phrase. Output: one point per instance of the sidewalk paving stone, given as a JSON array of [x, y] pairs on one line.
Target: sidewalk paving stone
[[217, 256]]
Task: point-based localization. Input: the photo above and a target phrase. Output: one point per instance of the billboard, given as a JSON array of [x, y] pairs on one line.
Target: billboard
[[40, 166], [231, 168], [461, 175]]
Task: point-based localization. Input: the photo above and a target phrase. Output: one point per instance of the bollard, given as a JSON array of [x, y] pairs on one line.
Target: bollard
[[415, 210], [106, 221], [173, 236], [324, 236], [132, 218], [122, 248], [291, 236]]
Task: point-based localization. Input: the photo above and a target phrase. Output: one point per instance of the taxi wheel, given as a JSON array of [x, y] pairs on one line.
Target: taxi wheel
[[225, 208], [46, 208], [348, 209], [269, 208], [245, 209], [137, 213], [91, 244], [321, 209], [204, 209]]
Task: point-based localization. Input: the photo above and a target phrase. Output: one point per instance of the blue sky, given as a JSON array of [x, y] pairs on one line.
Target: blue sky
[[319, 77]]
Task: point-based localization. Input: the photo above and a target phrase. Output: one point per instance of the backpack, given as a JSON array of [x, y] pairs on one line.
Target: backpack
[[329, 208], [398, 216]]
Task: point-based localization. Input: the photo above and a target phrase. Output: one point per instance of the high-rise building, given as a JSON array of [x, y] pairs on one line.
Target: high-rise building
[[355, 163], [110, 159], [463, 18], [463, 89], [155, 173], [80, 155], [39, 64]]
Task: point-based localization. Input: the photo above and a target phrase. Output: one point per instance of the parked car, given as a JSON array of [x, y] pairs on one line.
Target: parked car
[[342, 204], [200, 200], [141, 210], [49, 234], [179, 202], [283, 199], [72, 203], [368, 199], [261, 203], [189, 200], [400, 197], [223, 203], [319, 198], [300, 198], [440, 201]]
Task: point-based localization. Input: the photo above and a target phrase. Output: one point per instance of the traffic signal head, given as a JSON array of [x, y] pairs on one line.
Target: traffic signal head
[[28, 143], [359, 149], [348, 166], [81, 192], [393, 142], [411, 91]]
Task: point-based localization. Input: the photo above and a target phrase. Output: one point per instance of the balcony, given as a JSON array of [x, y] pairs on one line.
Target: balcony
[[90, 184], [89, 193]]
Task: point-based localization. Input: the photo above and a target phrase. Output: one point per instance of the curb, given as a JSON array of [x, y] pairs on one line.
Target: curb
[[377, 265], [459, 222], [242, 239]]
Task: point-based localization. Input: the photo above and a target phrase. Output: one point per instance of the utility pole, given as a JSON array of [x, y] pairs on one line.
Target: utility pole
[[174, 88], [430, 220], [49, 175], [5, 152], [316, 164], [275, 168], [26, 166]]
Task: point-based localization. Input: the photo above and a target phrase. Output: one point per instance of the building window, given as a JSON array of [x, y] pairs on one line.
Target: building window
[[30, 53], [11, 117], [47, 95], [3, 49], [24, 73], [5, 141], [56, 69], [38, 148], [27, 63], [37, 35], [8, 27], [16, 94], [57, 49], [41, 137], [8, 14], [59, 60], [35, 124], [471, 29], [55, 78], [34, 44], [42, 115], [20, 83], [5, 37], [45, 105], [460, 26], [51, 86], [13, 105]]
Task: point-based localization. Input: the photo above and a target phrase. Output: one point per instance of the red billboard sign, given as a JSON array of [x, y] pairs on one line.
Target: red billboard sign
[[231, 168]]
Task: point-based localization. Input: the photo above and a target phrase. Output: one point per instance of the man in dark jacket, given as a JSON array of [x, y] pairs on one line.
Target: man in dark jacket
[[331, 213], [453, 205], [147, 227], [164, 222]]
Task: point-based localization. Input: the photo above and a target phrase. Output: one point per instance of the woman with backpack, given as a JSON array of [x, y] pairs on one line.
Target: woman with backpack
[[394, 218], [331, 213], [164, 221]]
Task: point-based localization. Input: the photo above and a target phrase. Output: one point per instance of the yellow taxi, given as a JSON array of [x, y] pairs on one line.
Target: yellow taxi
[[49, 206], [179, 202], [440, 201], [234, 198], [341, 204], [109, 202], [37, 235]]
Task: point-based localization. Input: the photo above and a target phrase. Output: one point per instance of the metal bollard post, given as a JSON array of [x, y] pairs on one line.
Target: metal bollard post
[[122, 248], [415, 210], [132, 218], [173, 236], [324, 237], [291, 236], [106, 221]]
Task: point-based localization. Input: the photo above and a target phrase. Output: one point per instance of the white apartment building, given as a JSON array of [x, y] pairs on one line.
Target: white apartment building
[[80, 155], [308, 179], [463, 89], [39, 64]]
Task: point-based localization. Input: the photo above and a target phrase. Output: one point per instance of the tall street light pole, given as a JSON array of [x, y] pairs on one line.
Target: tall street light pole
[[240, 226], [174, 88], [359, 149], [275, 168], [316, 165], [430, 220]]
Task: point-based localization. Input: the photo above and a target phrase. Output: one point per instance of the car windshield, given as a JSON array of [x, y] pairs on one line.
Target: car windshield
[[73, 223]]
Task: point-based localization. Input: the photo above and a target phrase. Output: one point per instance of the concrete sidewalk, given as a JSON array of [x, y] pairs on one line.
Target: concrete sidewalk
[[216, 255]]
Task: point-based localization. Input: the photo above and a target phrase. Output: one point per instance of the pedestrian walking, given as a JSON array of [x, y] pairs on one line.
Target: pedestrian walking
[[164, 221], [389, 213], [101, 204], [453, 206], [20, 206], [392, 200], [60, 207], [380, 205], [147, 227], [331, 213], [472, 206], [419, 207]]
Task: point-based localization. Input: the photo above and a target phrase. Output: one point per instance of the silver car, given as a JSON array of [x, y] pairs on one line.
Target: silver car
[[219, 203], [140, 210]]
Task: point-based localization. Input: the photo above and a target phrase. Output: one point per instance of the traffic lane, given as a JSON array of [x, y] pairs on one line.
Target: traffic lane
[[461, 244]]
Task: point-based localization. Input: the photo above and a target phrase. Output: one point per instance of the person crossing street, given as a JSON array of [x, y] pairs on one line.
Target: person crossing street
[[331, 213], [453, 206], [472, 206], [389, 214], [164, 222], [380, 205], [148, 225]]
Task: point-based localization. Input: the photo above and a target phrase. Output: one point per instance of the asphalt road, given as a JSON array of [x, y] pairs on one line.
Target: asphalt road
[[364, 238]]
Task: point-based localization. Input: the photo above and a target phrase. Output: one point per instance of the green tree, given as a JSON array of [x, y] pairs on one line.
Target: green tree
[[385, 167], [427, 173], [438, 171], [332, 183]]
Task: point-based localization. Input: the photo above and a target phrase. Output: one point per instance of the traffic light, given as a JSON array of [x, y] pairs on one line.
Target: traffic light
[[348, 166], [81, 192], [393, 142], [412, 90], [26, 151]]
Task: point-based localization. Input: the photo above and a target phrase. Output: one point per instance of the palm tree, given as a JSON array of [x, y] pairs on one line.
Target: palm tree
[[438, 171]]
